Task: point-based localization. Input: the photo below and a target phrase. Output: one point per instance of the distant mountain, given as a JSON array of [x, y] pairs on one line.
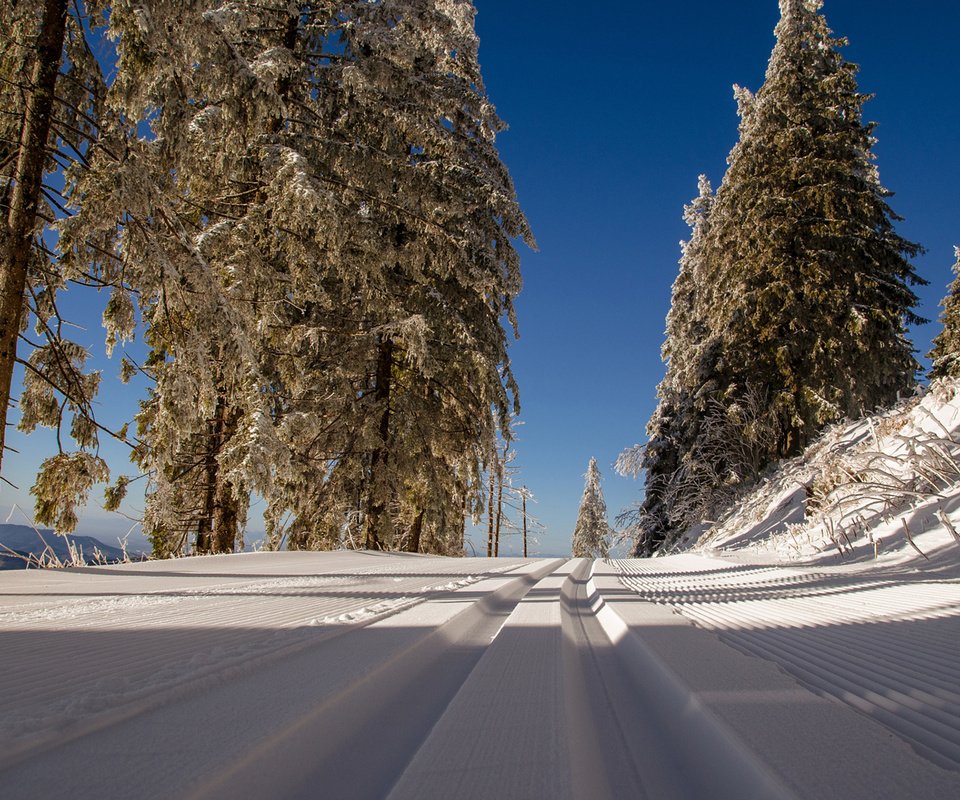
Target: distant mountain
[[25, 541]]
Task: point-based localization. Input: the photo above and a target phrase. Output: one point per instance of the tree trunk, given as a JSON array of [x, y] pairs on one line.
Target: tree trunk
[[463, 523], [204, 543], [217, 531], [413, 546], [490, 518], [22, 214], [376, 523], [226, 518], [496, 531], [523, 501]]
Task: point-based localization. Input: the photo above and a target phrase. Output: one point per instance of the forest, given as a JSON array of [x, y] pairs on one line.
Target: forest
[[302, 212]]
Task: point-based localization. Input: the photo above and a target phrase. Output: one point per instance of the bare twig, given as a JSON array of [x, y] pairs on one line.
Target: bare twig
[[948, 524], [913, 544]]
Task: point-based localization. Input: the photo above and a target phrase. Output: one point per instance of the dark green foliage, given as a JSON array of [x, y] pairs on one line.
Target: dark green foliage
[[802, 288], [814, 281]]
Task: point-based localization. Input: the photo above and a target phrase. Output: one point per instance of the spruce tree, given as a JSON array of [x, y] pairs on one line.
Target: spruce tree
[[591, 531], [435, 272], [803, 288], [320, 233], [809, 281], [666, 461], [946, 345]]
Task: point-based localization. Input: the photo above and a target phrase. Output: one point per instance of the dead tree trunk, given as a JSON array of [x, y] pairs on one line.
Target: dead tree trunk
[[22, 214], [490, 517], [463, 523], [523, 502], [496, 531]]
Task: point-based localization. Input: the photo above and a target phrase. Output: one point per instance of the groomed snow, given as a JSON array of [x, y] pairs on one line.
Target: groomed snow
[[886, 640], [361, 675]]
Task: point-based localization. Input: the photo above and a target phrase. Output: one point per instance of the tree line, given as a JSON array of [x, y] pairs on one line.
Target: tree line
[[301, 209]]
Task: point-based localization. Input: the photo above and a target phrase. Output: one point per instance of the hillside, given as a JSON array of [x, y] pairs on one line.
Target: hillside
[[885, 489]]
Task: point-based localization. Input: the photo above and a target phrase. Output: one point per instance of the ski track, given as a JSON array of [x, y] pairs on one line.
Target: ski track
[[208, 622], [389, 676], [885, 643]]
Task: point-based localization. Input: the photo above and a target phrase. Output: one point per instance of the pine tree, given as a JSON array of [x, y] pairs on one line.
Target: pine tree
[[666, 460], [319, 231], [437, 215], [802, 286], [54, 120], [946, 345], [591, 531], [809, 280]]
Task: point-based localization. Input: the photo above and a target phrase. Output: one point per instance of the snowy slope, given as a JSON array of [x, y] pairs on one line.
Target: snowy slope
[[362, 675], [807, 646], [843, 568], [861, 493]]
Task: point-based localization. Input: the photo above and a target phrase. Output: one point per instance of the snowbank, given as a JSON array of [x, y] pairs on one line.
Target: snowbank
[[883, 490]]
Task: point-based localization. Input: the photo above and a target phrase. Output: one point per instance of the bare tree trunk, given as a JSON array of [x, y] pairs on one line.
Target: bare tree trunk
[[523, 501], [226, 518], [204, 542], [496, 532], [26, 193], [490, 518], [375, 521], [217, 531], [413, 546]]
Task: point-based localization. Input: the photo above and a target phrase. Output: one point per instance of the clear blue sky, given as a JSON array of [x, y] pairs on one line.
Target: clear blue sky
[[614, 110]]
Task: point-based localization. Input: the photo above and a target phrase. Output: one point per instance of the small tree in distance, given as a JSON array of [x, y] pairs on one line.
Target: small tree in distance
[[591, 531]]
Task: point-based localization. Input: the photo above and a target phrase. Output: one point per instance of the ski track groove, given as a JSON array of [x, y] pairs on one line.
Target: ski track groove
[[562, 698], [838, 632], [211, 625]]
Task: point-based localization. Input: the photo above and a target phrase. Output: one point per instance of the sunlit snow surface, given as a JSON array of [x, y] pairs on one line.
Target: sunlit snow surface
[[82, 642], [885, 640], [843, 568], [362, 675]]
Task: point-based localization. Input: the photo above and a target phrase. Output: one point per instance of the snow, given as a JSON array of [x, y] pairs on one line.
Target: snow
[[869, 478], [787, 652], [843, 569], [883, 641], [390, 675]]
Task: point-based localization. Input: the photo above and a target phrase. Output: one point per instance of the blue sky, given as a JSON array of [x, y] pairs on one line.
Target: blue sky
[[614, 110]]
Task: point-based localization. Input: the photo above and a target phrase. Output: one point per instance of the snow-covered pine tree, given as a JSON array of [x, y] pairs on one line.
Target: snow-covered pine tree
[[592, 529], [809, 282], [803, 283], [945, 354], [433, 212], [666, 461], [177, 208], [320, 231]]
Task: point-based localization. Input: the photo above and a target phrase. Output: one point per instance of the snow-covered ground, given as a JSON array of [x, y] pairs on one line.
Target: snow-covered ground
[[807, 646], [361, 675]]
